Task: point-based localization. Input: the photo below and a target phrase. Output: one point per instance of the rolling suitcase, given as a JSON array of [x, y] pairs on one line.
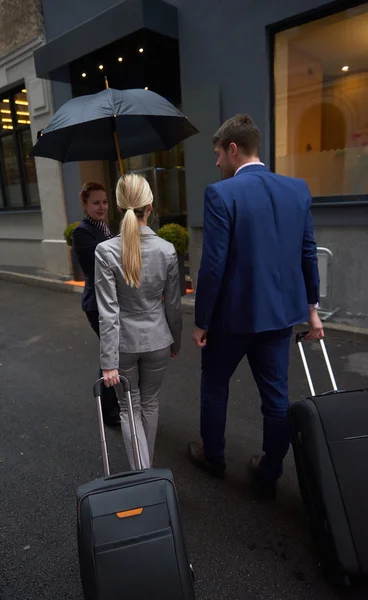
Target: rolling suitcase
[[330, 442], [130, 539]]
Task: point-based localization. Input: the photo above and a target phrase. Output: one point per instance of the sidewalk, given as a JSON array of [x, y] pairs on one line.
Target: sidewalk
[[240, 549], [341, 321]]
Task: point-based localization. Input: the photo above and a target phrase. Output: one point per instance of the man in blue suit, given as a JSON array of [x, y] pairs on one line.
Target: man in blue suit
[[258, 278]]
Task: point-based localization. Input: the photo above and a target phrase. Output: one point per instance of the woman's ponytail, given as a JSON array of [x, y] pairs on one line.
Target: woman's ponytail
[[131, 249], [133, 195]]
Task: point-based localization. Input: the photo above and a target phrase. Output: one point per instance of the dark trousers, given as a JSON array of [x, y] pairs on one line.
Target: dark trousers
[[109, 401], [268, 356]]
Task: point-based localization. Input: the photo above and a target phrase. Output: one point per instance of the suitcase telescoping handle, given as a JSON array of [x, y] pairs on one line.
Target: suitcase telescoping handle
[[299, 339], [133, 430]]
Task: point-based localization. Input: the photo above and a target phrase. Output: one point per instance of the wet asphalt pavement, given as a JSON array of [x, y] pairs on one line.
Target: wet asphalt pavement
[[241, 549]]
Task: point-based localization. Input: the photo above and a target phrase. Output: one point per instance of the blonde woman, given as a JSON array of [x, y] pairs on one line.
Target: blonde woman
[[138, 297]]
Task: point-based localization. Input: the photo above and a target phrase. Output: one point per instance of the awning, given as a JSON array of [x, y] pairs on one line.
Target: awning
[[113, 24]]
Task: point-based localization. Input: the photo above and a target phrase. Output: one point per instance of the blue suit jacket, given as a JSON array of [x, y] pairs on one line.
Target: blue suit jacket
[[259, 267], [85, 239]]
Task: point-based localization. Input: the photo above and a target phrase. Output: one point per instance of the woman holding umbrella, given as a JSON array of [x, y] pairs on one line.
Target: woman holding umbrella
[[128, 123], [90, 232], [138, 297]]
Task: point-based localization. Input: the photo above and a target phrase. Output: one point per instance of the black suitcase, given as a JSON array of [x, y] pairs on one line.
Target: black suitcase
[[330, 442], [130, 538]]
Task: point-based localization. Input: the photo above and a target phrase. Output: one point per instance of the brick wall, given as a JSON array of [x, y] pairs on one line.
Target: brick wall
[[20, 22]]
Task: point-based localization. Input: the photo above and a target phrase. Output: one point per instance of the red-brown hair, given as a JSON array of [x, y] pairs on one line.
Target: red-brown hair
[[89, 187]]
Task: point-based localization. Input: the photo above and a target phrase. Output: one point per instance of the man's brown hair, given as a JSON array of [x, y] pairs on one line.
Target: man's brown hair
[[242, 131]]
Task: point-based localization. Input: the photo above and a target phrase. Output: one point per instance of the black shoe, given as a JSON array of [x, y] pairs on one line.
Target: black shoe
[[112, 421], [197, 458], [265, 490]]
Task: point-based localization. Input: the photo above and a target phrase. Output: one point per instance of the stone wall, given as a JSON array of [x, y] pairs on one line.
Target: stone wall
[[20, 22]]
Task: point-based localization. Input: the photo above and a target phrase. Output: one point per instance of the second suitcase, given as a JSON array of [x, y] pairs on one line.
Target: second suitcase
[[330, 441], [130, 539]]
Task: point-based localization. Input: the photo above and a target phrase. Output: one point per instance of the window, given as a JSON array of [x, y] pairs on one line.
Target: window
[[321, 99], [18, 178], [164, 171]]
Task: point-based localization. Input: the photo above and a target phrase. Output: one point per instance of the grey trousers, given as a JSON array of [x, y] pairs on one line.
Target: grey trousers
[[145, 373]]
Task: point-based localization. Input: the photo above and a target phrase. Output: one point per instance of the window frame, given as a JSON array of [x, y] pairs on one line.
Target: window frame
[[15, 133], [333, 8]]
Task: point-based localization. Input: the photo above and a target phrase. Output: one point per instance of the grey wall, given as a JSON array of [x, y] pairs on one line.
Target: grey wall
[[349, 268], [226, 44]]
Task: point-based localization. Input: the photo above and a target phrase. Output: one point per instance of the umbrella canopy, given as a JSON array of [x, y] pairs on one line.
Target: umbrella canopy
[[140, 120]]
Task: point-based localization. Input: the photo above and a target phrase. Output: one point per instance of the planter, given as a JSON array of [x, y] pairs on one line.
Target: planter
[[181, 262], [76, 269], [177, 236]]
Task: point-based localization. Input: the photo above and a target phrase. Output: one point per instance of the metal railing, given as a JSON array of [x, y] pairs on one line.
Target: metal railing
[[327, 308]]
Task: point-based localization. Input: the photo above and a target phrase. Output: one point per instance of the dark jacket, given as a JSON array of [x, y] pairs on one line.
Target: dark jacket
[[85, 239], [259, 265]]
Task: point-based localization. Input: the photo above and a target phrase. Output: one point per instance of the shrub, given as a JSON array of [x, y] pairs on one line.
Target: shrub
[[68, 233], [176, 235]]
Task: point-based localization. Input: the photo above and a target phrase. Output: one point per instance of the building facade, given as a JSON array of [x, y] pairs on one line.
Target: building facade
[[300, 69], [32, 214]]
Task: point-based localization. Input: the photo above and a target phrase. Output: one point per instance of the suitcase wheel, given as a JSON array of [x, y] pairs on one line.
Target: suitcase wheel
[[341, 580]]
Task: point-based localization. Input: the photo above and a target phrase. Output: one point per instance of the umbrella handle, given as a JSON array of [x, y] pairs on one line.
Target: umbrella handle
[[116, 140]]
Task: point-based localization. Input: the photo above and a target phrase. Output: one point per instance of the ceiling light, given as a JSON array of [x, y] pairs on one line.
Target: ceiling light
[[120, 59], [5, 111], [7, 120], [19, 112], [24, 91], [22, 121], [346, 68], [22, 102], [28, 122], [141, 50], [6, 100], [84, 75], [101, 67]]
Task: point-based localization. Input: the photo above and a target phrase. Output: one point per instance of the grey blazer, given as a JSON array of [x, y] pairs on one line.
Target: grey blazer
[[137, 320]]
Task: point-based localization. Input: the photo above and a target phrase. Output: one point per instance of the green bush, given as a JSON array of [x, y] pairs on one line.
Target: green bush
[[176, 235], [68, 233]]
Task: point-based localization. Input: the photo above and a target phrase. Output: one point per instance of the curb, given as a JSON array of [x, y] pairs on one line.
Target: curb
[[41, 282], [187, 302], [346, 328]]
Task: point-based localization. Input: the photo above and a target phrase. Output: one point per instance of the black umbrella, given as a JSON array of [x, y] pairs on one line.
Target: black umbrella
[[112, 125]]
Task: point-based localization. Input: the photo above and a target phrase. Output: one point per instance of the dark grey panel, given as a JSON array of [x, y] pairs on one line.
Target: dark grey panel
[[72, 186], [60, 17], [62, 92], [61, 88], [108, 26], [202, 106], [340, 216]]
